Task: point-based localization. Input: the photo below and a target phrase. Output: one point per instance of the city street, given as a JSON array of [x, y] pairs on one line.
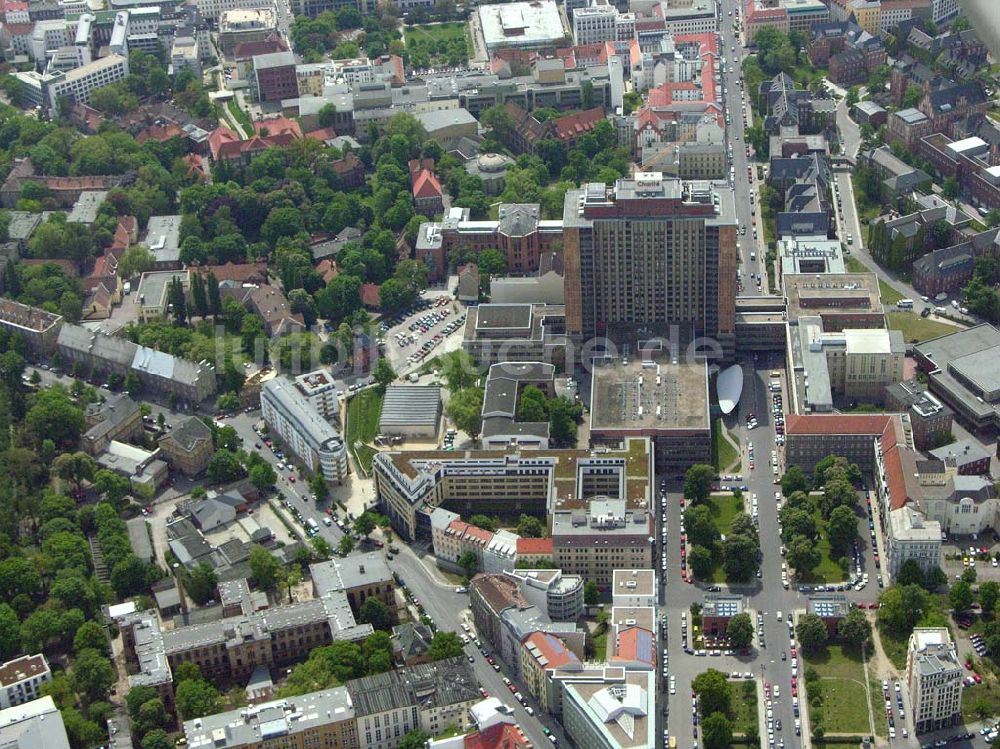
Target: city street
[[743, 188]]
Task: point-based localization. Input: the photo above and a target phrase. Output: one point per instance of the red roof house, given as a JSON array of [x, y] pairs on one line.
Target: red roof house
[[428, 197]]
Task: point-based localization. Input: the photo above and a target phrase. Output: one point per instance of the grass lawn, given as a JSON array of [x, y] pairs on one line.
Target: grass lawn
[[981, 700], [724, 455], [895, 647], [724, 508], [844, 707], [917, 328], [828, 571], [362, 425], [881, 722], [744, 706], [437, 44], [856, 266], [889, 295]]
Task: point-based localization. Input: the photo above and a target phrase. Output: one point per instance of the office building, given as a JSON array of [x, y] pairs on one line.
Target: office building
[[273, 77], [409, 485], [526, 25], [499, 333], [930, 419], [664, 399], [648, 255], [33, 725], [600, 536], [21, 680], [304, 431], [601, 23], [633, 587], [811, 437], [615, 711], [212, 10], [933, 679], [501, 426], [323, 718], [559, 595], [962, 372], [429, 697]]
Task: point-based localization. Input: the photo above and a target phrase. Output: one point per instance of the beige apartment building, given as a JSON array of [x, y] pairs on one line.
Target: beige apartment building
[[409, 485]]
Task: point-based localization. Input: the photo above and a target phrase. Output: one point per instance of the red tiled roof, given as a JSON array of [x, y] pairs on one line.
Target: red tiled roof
[[159, 133], [552, 652], [497, 736], [327, 269], [246, 50], [633, 644], [323, 134], [574, 125], [534, 546], [19, 29], [371, 295], [240, 272], [836, 423], [426, 185], [277, 127], [465, 530]]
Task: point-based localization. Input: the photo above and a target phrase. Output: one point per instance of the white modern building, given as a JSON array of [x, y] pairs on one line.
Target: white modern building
[[933, 679], [211, 10], [319, 389], [294, 420], [912, 536], [21, 680], [77, 84], [33, 725], [526, 25], [602, 23], [943, 10]]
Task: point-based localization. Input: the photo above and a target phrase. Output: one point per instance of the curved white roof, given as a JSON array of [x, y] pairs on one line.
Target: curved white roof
[[729, 386]]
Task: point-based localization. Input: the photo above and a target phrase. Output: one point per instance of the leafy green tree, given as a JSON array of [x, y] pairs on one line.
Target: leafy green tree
[[54, 416], [136, 697], [345, 546], [698, 482], [91, 635], [415, 739], [263, 476], [700, 526], [465, 409], [384, 374], [458, 370], [811, 632], [717, 731], [156, 739], [528, 526], [319, 487], [802, 554], [468, 562], [700, 561], [740, 631], [223, 466], [910, 573], [591, 593], [854, 628], [445, 645], [10, 632], [912, 96], [196, 698], [92, 674], [485, 522], [900, 608], [563, 417], [532, 405], [969, 575], [376, 613], [841, 529], [794, 480], [960, 596], [264, 567], [200, 583], [714, 692], [739, 557], [989, 593]]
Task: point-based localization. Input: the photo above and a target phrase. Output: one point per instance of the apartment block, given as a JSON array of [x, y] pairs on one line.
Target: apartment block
[[542, 653], [409, 485], [295, 421], [929, 418], [651, 254], [601, 23], [188, 446], [933, 679], [21, 679], [36, 327], [34, 725], [319, 389]]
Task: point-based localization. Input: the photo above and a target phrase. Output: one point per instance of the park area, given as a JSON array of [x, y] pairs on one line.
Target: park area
[[836, 676], [437, 45], [724, 454], [916, 328], [744, 702], [828, 570], [362, 426], [724, 508]]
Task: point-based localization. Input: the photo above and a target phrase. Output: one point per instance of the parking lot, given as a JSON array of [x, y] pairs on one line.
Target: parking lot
[[434, 326]]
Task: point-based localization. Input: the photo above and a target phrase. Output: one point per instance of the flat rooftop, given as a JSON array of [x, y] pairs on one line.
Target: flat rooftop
[[831, 293], [525, 24], [649, 395]]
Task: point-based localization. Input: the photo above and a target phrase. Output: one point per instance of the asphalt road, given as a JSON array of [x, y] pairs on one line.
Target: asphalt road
[[743, 186], [765, 595]]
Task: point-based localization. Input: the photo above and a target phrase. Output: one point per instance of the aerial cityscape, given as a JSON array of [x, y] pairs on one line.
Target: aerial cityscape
[[429, 374]]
